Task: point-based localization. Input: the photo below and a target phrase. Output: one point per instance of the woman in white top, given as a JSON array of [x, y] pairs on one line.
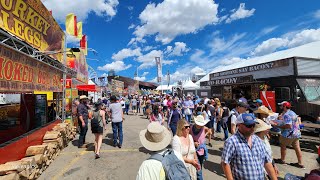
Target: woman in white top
[[183, 142]]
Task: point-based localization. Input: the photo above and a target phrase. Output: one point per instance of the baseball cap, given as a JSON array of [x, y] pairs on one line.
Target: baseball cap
[[258, 101], [285, 103], [246, 119], [242, 104]]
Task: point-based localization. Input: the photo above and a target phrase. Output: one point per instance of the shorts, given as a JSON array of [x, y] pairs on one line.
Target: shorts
[[97, 129], [134, 107], [289, 141], [210, 124]]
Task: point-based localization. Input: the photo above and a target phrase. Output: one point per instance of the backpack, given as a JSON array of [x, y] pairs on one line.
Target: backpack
[[225, 112], [229, 120], [173, 167]]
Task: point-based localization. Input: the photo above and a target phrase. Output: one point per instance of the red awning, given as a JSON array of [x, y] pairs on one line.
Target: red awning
[[91, 88]]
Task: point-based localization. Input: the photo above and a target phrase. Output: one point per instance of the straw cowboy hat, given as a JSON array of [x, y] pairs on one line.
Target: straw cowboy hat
[[83, 97], [263, 110], [262, 126], [156, 137], [200, 121]]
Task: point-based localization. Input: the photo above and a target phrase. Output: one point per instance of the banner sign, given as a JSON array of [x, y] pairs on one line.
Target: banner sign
[[227, 81], [77, 61], [21, 73], [30, 21], [159, 68], [258, 67], [117, 86]]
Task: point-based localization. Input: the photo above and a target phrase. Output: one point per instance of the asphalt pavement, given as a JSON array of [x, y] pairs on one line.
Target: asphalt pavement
[[123, 164]]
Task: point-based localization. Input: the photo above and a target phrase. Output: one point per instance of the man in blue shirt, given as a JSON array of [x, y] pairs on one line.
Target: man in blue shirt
[[244, 154], [290, 134]]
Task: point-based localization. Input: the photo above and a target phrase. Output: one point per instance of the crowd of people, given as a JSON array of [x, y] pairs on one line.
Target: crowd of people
[[190, 124]]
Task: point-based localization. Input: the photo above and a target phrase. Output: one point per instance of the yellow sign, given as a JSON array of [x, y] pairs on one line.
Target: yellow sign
[[49, 94], [30, 21]]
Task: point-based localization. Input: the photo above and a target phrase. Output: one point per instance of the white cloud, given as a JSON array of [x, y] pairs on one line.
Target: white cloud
[[230, 61], [268, 30], [219, 44], [140, 78], [148, 48], [72, 40], [270, 46], [148, 60], [288, 40], [178, 50], [317, 14], [130, 8], [125, 53], [304, 37], [116, 66], [196, 70], [145, 73], [240, 13], [172, 18], [82, 8], [131, 26]]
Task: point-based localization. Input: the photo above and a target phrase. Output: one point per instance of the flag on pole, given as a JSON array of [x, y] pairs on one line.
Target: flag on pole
[[71, 24], [79, 30], [84, 44], [159, 68]]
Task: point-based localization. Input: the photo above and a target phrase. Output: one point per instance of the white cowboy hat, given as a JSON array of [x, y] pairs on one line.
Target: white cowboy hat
[[262, 126], [156, 137], [200, 121], [264, 110], [83, 97]]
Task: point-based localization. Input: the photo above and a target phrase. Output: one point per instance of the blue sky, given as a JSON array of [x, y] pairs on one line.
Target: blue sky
[[190, 36]]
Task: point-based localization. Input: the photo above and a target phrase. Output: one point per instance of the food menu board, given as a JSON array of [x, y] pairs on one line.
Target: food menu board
[[227, 92]]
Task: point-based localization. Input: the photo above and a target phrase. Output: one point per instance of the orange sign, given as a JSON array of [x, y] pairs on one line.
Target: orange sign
[[30, 21], [21, 73]]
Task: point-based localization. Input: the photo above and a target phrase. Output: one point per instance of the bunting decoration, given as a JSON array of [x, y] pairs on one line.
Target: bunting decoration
[[84, 44], [79, 30], [71, 24]]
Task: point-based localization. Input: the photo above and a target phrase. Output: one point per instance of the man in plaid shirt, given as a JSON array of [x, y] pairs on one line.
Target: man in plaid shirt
[[244, 154]]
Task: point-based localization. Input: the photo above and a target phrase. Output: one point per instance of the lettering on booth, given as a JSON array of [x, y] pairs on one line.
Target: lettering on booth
[[32, 22], [21, 73]]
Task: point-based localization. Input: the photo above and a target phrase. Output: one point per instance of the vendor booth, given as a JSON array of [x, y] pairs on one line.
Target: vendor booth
[[292, 75]]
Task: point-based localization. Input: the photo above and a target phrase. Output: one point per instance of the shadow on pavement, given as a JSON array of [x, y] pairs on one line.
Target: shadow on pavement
[[90, 147], [215, 152], [75, 142], [144, 150], [108, 140], [214, 167]]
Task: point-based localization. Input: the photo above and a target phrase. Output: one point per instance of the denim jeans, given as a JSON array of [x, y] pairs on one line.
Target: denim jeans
[[188, 118], [226, 132], [83, 133], [199, 173], [117, 132], [173, 128], [219, 126], [127, 108]]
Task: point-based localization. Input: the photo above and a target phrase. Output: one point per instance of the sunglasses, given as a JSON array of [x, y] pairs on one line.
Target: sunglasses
[[250, 126], [186, 127]]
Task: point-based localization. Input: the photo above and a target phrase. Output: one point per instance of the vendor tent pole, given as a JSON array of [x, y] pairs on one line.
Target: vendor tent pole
[[64, 80]]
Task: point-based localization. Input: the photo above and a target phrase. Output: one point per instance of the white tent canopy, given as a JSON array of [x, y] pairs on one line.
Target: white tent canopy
[[310, 50], [190, 85], [164, 88]]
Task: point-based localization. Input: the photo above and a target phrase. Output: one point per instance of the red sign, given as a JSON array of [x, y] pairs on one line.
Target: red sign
[[68, 83], [21, 73], [269, 99]]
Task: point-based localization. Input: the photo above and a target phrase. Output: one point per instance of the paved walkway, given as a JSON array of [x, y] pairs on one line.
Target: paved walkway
[[123, 164]]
